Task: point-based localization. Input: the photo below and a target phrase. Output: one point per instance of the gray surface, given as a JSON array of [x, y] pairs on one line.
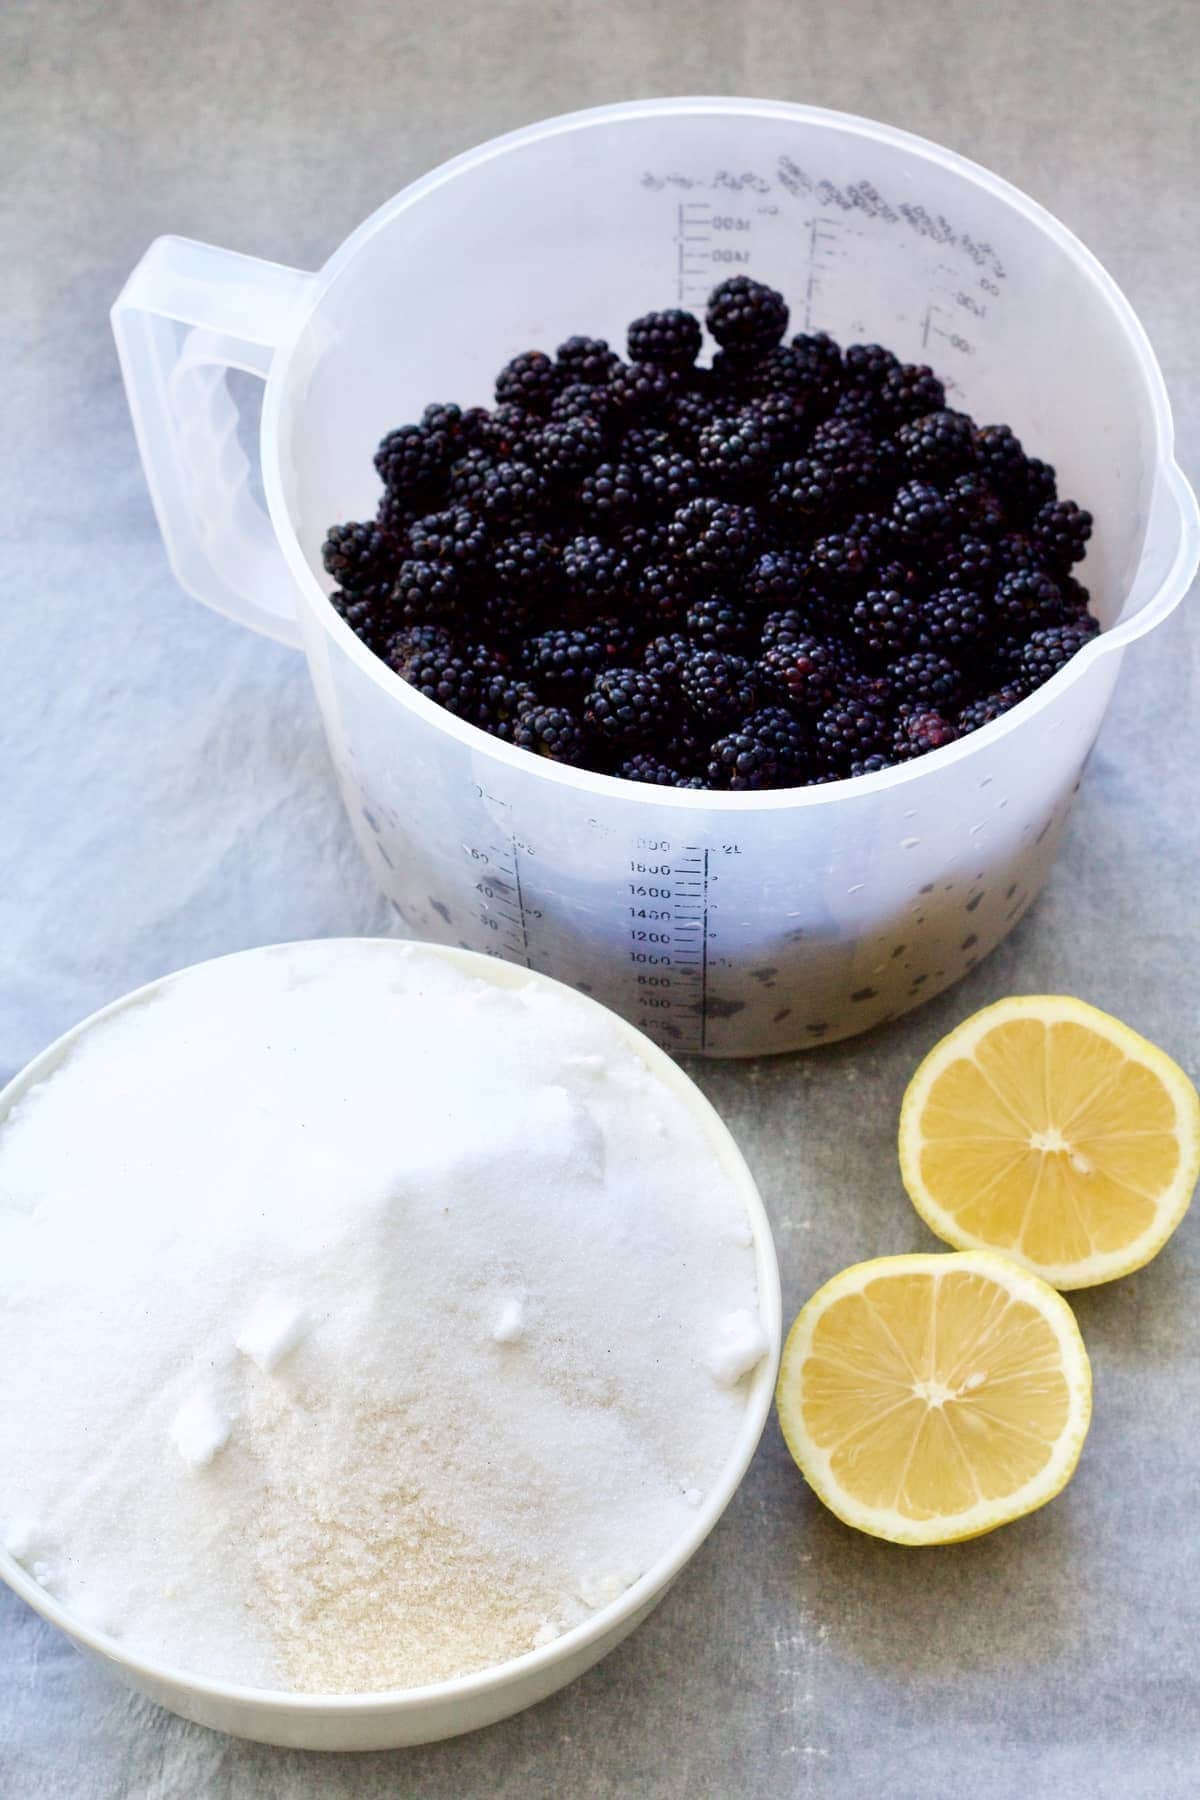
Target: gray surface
[[166, 798]]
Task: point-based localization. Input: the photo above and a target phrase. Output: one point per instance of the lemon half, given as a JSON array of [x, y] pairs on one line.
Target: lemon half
[[1049, 1130], [932, 1398]]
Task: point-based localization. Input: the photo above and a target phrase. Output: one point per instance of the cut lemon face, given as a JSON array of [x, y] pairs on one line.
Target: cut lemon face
[[1048, 1130], [932, 1398]]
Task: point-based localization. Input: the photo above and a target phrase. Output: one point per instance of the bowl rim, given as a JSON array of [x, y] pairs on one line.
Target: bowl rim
[[650, 1585], [316, 605]]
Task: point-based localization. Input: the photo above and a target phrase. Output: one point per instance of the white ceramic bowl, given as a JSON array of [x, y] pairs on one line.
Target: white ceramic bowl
[[389, 1719]]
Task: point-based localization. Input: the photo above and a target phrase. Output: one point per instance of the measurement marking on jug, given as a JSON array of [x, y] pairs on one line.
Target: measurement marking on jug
[[708, 239], [502, 912], [824, 250]]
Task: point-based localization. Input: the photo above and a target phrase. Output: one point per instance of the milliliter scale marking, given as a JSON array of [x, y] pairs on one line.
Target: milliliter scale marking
[[710, 242], [669, 929], [502, 909]]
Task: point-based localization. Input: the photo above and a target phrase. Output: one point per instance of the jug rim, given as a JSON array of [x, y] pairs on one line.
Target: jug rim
[[1113, 639]]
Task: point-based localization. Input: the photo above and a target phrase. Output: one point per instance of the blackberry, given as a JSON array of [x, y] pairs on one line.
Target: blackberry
[[717, 686], [936, 446], [910, 390], [766, 750], [861, 406], [456, 536], [1016, 550], [1050, 650], [782, 374], [954, 619], [359, 556], [689, 411], [671, 339], [445, 417], [1005, 645], [511, 490], [579, 401], [976, 506], [526, 569], [531, 380], [925, 678], [820, 358], [849, 731], [454, 676], [920, 730], [662, 591], [746, 316], [424, 591], [596, 573], [1037, 489], [736, 455], [1062, 529], [867, 765], [774, 580], [668, 480], [991, 706], [807, 672], [396, 513], [803, 490], [735, 379], [782, 416], [665, 655], [471, 428], [642, 541], [923, 519], [639, 390], [1024, 483], [640, 442], [713, 539], [551, 731], [365, 612], [505, 698], [646, 767], [869, 365], [566, 450], [1075, 599], [610, 495], [969, 562], [684, 751], [412, 457], [842, 561], [627, 706], [1027, 599], [507, 430], [413, 641], [786, 625], [842, 465], [587, 360], [881, 623], [718, 624], [999, 455], [570, 661], [469, 475]]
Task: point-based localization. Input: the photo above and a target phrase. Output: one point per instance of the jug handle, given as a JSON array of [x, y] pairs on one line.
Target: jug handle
[[187, 315]]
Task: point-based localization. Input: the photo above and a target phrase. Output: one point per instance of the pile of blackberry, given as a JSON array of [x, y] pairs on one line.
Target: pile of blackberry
[[795, 566]]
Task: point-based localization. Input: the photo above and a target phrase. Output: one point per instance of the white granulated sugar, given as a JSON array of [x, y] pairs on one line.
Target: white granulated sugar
[[361, 1323]]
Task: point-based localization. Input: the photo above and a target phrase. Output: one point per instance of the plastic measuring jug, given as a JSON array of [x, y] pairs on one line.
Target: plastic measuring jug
[[725, 924]]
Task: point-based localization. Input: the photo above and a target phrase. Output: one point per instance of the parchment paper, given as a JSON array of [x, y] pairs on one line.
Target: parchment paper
[[165, 797]]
